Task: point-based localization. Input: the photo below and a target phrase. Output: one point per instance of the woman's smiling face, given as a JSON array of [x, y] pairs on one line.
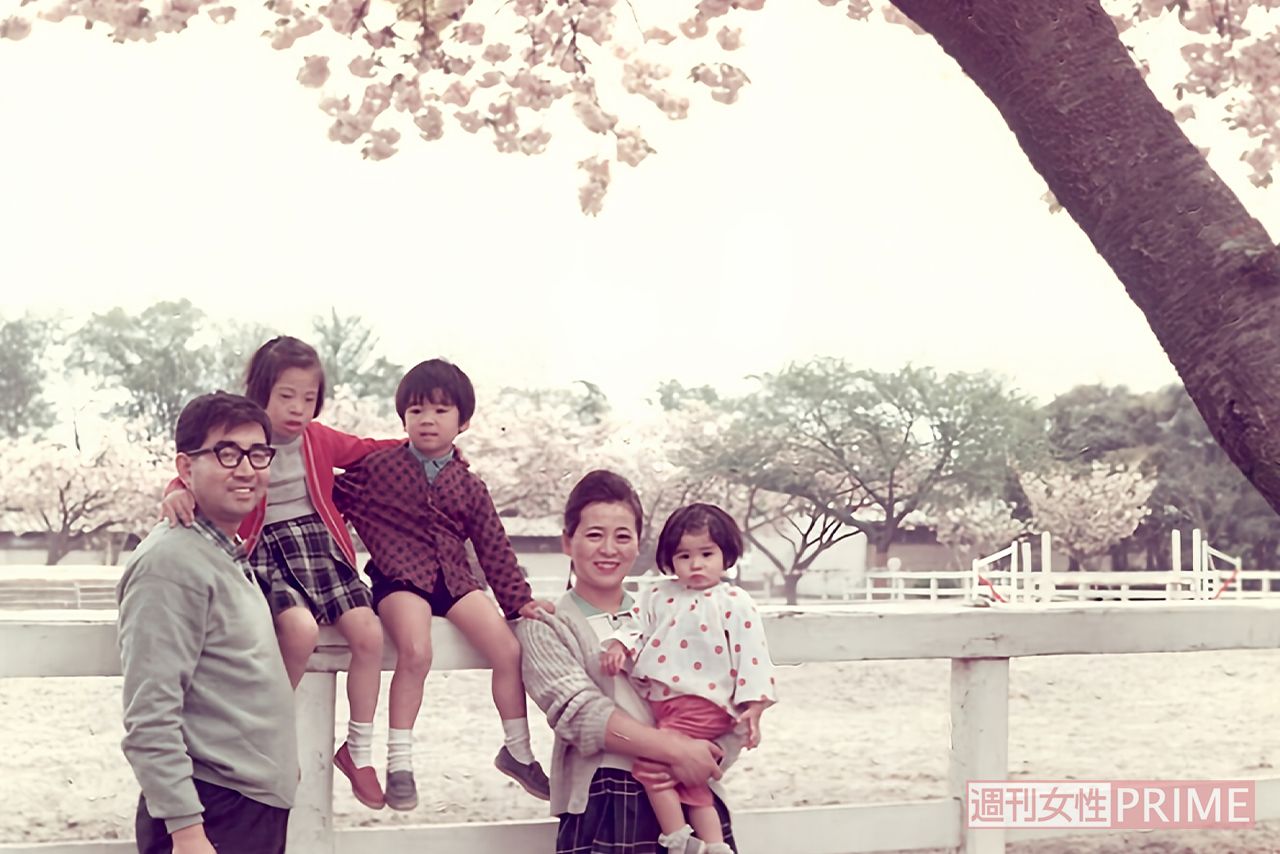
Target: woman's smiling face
[[603, 547]]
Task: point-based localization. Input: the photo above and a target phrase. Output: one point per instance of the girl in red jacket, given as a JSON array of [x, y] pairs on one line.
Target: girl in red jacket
[[297, 542]]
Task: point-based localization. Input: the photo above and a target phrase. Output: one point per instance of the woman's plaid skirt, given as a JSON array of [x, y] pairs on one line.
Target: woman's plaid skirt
[[618, 819], [304, 568]]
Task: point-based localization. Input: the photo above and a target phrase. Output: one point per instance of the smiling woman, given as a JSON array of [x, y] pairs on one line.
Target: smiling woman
[[605, 744]]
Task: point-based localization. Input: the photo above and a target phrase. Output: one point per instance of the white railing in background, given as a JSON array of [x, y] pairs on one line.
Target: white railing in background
[[978, 641]]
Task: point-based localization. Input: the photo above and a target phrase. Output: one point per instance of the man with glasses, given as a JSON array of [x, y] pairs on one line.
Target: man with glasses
[[208, 709]]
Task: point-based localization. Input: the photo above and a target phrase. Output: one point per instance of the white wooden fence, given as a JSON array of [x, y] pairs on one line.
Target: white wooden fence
[[979, 642]]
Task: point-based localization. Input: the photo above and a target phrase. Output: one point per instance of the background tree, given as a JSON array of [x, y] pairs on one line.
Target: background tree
[[23, 345], [76, 496], [870, 448], [1087, 509], [348, 348], [972, 528], [155, 359]]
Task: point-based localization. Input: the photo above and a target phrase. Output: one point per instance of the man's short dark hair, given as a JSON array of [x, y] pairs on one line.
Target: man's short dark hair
[[694, 519], [211, 411], [437, 381]]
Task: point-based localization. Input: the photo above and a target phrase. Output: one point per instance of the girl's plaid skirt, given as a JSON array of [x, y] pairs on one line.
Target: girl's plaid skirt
[[618, 819], [302, 566]]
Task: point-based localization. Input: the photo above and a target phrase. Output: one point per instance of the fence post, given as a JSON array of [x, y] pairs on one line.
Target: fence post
[[311, 821], [979, 739]]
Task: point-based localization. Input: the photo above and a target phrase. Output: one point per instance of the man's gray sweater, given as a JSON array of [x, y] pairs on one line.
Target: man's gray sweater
[[206, 695]]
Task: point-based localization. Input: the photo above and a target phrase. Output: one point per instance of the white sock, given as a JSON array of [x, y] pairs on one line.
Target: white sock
[[515, 732], [677, 840], [360, 742], [399, 750]]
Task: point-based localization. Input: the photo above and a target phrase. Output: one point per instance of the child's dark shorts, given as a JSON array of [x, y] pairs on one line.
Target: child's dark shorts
[[439, 597]]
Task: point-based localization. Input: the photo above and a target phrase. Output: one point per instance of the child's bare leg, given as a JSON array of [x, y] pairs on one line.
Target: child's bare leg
[[296, 632], [363, 633], [488, 632], [407, 619], [668, 809], [706, 823], [477, 619]]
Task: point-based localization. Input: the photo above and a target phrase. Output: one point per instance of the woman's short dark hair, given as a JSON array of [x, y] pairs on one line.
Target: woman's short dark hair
[[211, 411], [437, 381], [273, 359], [600, 487], [695, 519]]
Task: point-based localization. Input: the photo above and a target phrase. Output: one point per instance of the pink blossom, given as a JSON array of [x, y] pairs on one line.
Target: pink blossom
[[632, 148], [596, 24], [729, 39], [381, 144], [859, 10], [749, 5], [347, 128], [223, 14], [57, 13], [283, 38], [535, 92], [589, 113], [488, 80], [469, 33], [335, 106], [314, 71], [431, 123], [458, 65], [280, 7], [344, 16], [363, 66], [470, 120], [591, 194], [449, 8], [695, 27], [458, 94], [534, 142], [659, 35], [15, 28], [496, 52], [408, 96], [714, 8], [377, 97], [378, 39]]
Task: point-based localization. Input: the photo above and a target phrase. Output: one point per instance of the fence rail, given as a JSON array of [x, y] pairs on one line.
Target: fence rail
[[979, 642]]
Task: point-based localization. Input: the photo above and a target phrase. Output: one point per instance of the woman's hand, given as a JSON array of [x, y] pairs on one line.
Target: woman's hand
[[654, 776], [178, 506], [693, 761], [612, 659]]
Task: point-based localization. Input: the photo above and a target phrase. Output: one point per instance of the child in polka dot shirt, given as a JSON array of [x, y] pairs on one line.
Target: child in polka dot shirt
[[695, 649]]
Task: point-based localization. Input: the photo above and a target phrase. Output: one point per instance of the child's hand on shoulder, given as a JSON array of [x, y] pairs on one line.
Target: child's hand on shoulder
[[535, 608], [612, 659], [750, 719], [178, 506]]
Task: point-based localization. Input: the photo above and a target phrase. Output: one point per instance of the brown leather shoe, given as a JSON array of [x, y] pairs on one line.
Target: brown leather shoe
[[364, 781]]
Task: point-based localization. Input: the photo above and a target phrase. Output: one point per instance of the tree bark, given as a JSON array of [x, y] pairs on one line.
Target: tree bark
[[790, 582], [1203, 271]]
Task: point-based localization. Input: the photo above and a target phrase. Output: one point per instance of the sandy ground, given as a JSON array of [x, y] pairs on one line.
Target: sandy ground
[[843, 733]]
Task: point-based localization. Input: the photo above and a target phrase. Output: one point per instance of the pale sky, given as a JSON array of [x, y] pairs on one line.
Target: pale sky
[[863, 200]]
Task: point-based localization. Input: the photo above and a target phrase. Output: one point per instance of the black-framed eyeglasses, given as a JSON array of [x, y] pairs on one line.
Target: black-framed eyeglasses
[[230, 454]]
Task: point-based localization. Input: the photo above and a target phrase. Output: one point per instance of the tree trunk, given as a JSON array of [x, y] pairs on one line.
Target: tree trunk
[[1204, 272], [57, 546], [790, 582]]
